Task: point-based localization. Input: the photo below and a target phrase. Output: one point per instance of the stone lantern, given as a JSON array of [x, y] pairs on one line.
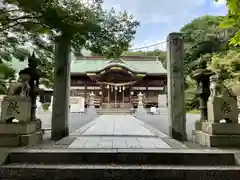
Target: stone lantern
[[202, 75], [140, 99], [91, 99]]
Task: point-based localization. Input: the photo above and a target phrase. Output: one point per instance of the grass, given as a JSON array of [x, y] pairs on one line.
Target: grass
[[194, 111]]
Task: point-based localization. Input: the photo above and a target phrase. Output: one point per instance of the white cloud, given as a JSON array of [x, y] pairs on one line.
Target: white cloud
[[158, 18], [154, 10], [220, 3]]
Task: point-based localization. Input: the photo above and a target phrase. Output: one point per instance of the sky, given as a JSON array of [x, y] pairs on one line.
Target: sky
[[158, 18]]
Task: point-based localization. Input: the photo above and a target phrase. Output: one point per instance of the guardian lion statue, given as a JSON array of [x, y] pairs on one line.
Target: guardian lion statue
[[21, 87], [215, 87], [218, 89]]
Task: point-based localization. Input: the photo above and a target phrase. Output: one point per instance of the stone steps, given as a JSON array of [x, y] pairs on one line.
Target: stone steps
[[115, 111], [116, 172], [163, 158], [125, 164]]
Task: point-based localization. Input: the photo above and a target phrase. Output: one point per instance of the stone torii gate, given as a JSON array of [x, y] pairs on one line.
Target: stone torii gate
[[175, 83], [176, 104]]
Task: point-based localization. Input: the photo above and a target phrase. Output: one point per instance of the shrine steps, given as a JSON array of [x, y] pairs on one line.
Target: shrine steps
[[115, 111], [66, 164]]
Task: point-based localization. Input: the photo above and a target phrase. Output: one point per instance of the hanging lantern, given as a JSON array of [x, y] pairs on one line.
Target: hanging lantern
[[112, 88], [123, 88], [120, 90], [107, 86], [116, 87]]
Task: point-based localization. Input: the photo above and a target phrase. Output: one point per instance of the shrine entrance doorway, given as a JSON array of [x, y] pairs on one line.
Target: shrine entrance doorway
[[116, 96], [116, 81]]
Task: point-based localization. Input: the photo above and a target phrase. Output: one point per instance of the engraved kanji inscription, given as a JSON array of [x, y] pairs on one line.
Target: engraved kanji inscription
[[13, 107]]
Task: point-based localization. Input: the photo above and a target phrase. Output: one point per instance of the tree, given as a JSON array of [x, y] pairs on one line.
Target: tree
[[6, 74], [85, 23], [13, 46], [201, 36], [80, 22], [231, 24], [191, 99], [201, 40], [161, 55], [10, 47], [113, 37], [227, 66], [204, 40]]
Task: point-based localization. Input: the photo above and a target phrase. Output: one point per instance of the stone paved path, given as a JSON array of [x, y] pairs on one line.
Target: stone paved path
[[117, 131]]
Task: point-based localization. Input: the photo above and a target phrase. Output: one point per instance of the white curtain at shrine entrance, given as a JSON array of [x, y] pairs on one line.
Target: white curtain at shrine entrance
[[116, 93]]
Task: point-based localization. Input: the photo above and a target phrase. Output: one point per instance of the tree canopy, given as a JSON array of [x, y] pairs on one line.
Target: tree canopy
[[201, 37], [91, 26], [203, 41], [231, 23], [161, 55], [85, 22], [6, 73]]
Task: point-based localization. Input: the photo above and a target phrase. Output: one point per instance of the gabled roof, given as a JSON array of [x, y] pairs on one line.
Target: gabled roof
[[81, 65], [147, 65]]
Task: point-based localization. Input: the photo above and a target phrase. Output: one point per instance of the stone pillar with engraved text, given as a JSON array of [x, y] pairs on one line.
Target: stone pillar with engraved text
[[176, 104]]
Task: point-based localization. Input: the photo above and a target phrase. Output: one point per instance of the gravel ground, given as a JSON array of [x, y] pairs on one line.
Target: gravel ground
[[161, 122], [76, 120]]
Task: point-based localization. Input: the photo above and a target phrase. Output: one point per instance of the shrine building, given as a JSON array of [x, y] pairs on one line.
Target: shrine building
[[116, 83]]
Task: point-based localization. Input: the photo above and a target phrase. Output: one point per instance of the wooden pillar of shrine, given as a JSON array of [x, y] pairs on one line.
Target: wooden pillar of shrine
[[115, 96], [123, 89], [147, 90], [85, 90], [108, 88], [130, 93], [101, 93]]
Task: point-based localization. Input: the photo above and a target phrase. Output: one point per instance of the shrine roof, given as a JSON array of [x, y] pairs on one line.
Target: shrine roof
[[149, 65]]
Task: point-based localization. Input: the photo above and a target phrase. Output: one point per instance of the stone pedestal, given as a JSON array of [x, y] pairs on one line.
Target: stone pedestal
[[140, 111], [22, 131], [16, 107], [218, 135], [19, 134], [220, 108]]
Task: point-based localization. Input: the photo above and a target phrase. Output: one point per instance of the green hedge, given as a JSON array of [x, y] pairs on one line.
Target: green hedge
[[46, 106]]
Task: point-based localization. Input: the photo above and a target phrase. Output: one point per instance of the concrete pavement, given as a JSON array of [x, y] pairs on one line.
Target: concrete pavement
[[118, 131], [109, 131]]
